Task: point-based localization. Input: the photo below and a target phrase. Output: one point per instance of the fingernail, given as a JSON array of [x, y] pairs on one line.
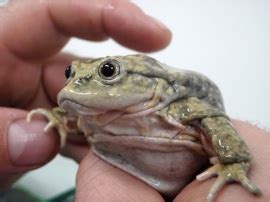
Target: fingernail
[[28, 144]]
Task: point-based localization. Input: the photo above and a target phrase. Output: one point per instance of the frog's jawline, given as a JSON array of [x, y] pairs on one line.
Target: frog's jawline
[[68, 105], [173, 168]]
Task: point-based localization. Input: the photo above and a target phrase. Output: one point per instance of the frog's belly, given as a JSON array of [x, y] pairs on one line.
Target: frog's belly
[[167, 166]]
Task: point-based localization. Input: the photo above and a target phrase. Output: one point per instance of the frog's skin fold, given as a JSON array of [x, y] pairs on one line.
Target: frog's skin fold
[[159, 124]]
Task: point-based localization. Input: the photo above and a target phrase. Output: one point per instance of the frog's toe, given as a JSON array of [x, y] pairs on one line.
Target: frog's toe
[[250, 186], [53, 122], [216, 187], [46, 113], [210, 172], [49, 125], [32, 113], [39, 111], [231, 173], [63, 135]]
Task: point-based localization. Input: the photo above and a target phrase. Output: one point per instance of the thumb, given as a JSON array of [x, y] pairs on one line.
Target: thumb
[[23, 146]]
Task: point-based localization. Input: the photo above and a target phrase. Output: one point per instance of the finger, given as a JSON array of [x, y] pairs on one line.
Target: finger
[[23, 146], [48, 25], [75, 151], [7, 180], [40, 83], [99, 181], [54, 74], [210, 172]]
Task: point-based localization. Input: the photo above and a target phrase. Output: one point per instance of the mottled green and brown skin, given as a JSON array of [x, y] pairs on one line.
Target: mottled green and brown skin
[[158, 124]]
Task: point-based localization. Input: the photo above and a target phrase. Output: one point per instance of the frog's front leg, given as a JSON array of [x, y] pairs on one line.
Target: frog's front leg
[[233, 156], [56, 117]]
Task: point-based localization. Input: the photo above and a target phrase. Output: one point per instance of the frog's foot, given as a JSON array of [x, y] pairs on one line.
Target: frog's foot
[[54, 121], [236, 172]]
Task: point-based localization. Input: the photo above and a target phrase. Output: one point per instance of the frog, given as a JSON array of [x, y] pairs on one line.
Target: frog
[[162, 125]]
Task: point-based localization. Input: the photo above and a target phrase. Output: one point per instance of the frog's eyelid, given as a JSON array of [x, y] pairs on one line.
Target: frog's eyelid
[[73, 72], [68, 71], [121, 73], [110, 68], [114, 63]]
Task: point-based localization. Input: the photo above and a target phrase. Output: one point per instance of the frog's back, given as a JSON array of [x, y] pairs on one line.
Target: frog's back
[[186, 83], [201, 87]]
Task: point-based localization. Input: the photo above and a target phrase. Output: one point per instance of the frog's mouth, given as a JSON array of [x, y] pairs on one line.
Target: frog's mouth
[[75, 108], [137, 110], [102, 116], [152, 100]]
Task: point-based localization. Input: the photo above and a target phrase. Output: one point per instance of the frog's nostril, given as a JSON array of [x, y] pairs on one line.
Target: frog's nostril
[[88, 77], [78, 81], [83, 80]]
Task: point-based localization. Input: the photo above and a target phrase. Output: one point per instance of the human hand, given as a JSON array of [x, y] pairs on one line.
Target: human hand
[[31, 35], [102, 182]]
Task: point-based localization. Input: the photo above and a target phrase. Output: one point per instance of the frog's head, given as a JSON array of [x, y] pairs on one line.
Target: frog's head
[[122, 83]]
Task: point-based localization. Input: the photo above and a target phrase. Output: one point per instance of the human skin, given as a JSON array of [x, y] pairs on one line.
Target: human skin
[[32, 33], [32, 74]]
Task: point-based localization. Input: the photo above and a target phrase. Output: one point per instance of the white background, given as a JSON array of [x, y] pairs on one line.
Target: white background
[[3, 2], [227, 40]]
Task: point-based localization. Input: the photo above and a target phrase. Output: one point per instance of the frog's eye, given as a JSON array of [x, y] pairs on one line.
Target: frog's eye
[[109, 69], [68, 71]]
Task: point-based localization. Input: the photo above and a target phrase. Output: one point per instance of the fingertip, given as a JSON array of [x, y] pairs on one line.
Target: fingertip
[[75, 151], [54, 22], [28, 143], [24, 146], [55, 67], [128, 25], [164, 36]]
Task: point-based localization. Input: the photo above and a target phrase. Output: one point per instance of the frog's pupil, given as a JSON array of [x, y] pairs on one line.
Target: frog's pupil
[[68, 71], [107, 69]]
